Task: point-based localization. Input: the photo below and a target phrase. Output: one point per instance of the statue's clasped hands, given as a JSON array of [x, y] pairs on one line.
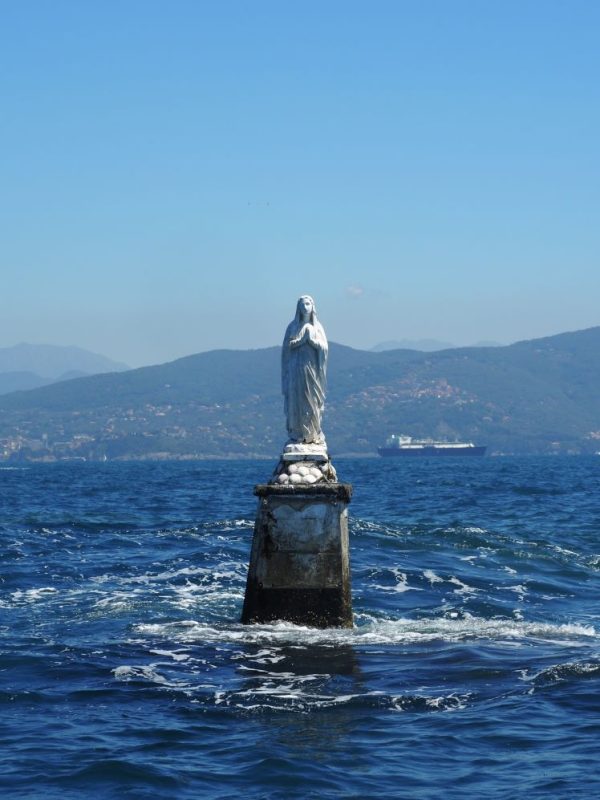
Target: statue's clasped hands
[[304, 336]]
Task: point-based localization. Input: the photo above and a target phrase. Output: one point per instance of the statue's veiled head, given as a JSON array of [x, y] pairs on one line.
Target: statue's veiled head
[[305, 309]]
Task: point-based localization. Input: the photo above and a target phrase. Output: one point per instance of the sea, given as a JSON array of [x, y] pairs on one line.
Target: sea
[[472, 669]]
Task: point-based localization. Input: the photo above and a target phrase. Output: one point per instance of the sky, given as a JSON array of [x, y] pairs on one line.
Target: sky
[[174, 174]]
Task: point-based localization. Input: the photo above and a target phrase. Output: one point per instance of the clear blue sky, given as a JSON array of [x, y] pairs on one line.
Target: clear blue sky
[[174, 174]]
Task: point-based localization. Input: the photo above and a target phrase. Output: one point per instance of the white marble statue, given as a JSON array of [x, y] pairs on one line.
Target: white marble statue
[[303, 375]]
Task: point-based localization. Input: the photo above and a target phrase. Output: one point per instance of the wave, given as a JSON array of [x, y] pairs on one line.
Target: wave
[[380, 632], [559, 673], [293, 697], [262, 690]]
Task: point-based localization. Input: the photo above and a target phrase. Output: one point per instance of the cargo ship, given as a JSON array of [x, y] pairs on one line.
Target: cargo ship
[[406, 446]]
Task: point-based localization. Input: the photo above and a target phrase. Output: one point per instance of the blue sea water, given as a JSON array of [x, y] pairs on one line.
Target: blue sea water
[[473, 669]]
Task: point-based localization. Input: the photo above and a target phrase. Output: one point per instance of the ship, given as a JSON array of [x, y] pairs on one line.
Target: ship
[[406, 446]]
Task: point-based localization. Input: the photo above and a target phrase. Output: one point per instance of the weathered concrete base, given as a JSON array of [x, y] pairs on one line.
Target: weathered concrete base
[[300, 567]]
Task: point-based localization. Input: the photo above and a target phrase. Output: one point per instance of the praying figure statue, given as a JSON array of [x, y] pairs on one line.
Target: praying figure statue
[[303, 374]]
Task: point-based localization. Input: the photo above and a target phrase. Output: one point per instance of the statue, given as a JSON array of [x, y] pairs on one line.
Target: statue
[[303, 375], [299, 565]]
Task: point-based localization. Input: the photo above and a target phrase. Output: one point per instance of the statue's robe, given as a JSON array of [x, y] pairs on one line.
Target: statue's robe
[[303, 375]]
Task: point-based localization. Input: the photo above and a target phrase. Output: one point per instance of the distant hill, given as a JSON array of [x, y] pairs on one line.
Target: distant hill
[[53, 361], [15, 381], [538, 396], [28, 366], [425, 345]]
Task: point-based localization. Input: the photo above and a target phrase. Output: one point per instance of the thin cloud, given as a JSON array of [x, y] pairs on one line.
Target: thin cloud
[[355, 291]]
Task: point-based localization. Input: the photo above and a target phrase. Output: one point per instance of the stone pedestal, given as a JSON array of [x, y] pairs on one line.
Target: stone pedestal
[[299, 567]]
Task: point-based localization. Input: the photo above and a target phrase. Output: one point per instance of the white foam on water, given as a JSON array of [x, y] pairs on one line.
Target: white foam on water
[[291, 692], [432, 577], [209, 573], [564, 550], [449, 702], [191, 594], [128, 673], [211, 528], [200, 585], [270, 656], [401, 584], [285, 692], [232, 571], [520, 590], [150, 674], [33, 595], [176, 655], [379, 632], [104, 578], [231, 524], [561, 672], [463, 588], [187, 596], [119, 601]]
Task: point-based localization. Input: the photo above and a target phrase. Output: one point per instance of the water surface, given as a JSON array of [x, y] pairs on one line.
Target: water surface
[[473, 669]]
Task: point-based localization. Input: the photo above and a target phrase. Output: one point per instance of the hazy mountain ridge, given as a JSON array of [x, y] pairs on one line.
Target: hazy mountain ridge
[[538, 396], [21, 380], [426, 345], [32, 365]]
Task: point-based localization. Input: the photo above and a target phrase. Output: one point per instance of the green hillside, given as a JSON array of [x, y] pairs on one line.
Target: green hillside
[[538, 396]]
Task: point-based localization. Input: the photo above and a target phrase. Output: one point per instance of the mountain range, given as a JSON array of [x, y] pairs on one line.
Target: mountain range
[[29, 366], [537, 396]]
